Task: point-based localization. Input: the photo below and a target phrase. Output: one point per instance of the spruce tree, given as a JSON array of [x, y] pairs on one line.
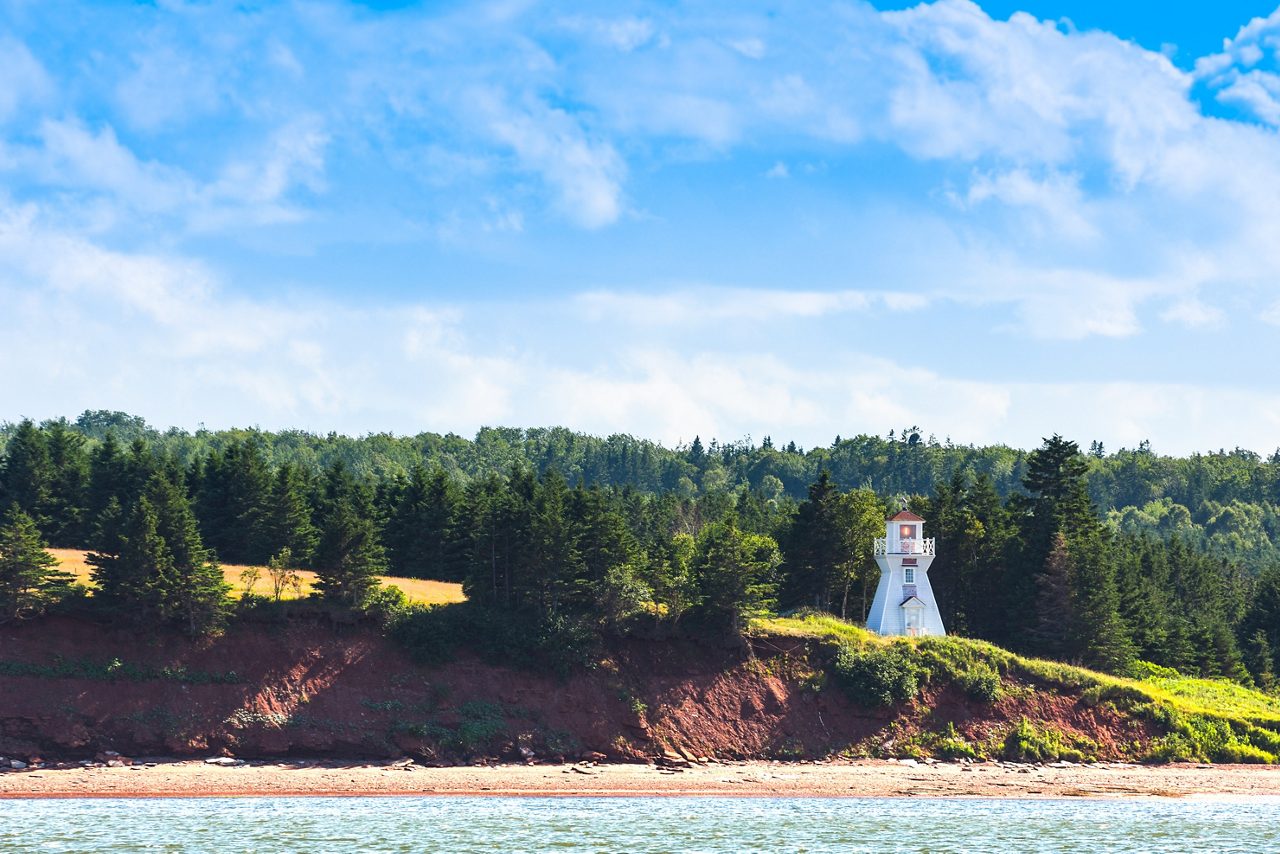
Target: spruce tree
[[349, 557], [108, 482], [29, 578], [133, 568], [65, 508], [26, 474], [818, 548], [420, 536], [1261, 661], [194, 591], [1053, 604], [232, 502], [286, 522]]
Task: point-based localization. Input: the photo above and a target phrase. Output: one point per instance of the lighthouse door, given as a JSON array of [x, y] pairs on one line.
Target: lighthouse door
[[912, 621]]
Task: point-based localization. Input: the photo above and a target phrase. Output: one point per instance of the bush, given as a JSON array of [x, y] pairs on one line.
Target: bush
[[387, 604], [1028, 743], [879, 676], [981, 683], [1150, 670], [951, 745]]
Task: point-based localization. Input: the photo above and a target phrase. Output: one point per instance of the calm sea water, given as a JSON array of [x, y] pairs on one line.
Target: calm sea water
[[456, 824]]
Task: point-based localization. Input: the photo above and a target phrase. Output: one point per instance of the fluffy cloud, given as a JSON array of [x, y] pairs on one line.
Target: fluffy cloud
[[1056, 189]]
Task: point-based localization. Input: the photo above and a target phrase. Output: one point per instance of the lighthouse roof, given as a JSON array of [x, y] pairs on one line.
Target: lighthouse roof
[[905, 516]]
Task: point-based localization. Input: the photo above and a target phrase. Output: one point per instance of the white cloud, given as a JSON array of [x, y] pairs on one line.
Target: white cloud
[[22, 78], [1194, 314], [710, 306], [585, 173]]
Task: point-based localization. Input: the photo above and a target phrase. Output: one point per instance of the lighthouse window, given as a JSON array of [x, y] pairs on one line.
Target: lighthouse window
[[910, 575], [906, 532]]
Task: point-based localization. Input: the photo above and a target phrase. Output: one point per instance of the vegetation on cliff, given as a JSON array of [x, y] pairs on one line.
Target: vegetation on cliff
[[557, 571]]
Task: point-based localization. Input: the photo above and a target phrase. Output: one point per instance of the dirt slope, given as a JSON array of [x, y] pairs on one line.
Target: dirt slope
[[73, 688]]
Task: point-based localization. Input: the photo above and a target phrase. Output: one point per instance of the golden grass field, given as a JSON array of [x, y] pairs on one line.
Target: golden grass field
[[417, 589]]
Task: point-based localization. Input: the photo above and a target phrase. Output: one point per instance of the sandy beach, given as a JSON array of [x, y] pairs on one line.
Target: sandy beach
[[195, 778]]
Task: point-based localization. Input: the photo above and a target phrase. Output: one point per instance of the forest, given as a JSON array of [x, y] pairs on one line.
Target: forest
[[1123, 561]]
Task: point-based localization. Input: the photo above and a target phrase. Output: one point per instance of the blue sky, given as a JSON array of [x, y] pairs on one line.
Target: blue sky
[[728, 219]]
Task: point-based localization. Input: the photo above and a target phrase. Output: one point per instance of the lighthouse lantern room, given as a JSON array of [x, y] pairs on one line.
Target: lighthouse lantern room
[[904, 603]]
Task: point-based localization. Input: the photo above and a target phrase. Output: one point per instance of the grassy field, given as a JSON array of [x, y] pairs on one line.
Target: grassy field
[[417, 589], [1204, 719]]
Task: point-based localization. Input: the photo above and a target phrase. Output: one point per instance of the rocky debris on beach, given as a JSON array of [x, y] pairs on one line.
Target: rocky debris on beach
[[225, 761]]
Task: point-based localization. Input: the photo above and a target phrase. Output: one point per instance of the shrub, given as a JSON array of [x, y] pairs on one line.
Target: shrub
[[951, 745], [878, 676], [1150, 670], [386, 604], [481, 726], [1028, 743], [981, 682]]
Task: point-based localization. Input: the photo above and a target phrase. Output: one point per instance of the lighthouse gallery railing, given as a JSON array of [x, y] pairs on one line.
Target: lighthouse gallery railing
[[923, 546]]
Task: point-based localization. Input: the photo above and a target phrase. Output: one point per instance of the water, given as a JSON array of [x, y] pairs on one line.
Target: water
[[463, 824]]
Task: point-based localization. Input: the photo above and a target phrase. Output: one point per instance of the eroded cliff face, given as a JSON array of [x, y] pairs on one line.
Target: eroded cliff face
[[73, 689]]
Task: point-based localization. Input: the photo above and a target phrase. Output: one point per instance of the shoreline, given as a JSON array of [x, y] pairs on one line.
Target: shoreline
[[865, 778]]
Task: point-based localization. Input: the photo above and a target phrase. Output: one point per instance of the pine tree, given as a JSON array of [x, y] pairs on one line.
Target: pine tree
[[286, 521], [349, 557], [26, 475], [29, 578], [65, 507], [1261, 661], [1054, 616], [420, 534], [133, 569], [818, 549], [194, 592], [108, 482]]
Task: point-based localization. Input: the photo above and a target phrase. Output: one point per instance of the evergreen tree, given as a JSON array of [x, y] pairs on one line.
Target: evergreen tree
[[553, 565], [1054, 616], [349, 557], [420, 535], [1101, 638], [133, 568], [29, 577], [193, 591], [736, 574], [108, 484], [1262, 661], [1263, 616], [66, 505], [232, 501], [27, 474], [286, 519], [818, 550]]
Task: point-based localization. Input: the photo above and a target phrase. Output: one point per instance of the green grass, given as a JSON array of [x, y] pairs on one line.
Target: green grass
[[1199, 719]]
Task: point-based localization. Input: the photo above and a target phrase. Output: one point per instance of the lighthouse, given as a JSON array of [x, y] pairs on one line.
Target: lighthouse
[[904, 603]]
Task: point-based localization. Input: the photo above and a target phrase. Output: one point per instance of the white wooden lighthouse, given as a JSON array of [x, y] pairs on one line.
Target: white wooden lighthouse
[[904, 603]]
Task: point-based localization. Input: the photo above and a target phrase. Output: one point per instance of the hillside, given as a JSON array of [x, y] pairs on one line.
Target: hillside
[[800, 688]]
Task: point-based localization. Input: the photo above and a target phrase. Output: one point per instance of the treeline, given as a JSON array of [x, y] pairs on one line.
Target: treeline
[[905, 462], [1035, 568], [1223, 502]]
